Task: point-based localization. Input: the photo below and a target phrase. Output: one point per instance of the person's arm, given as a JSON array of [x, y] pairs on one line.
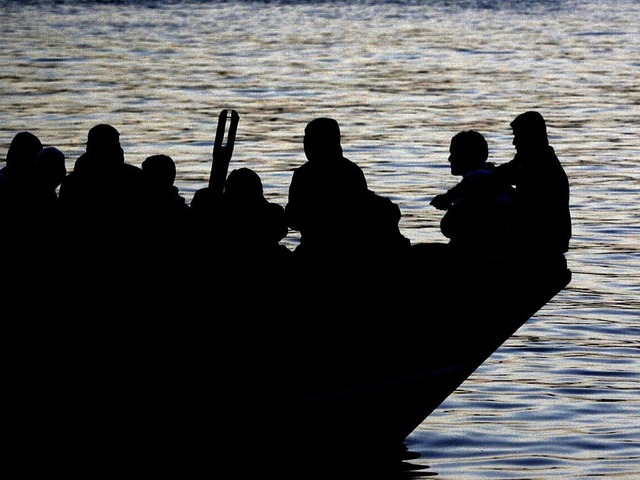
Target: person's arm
[[507, 173], [444, 200]]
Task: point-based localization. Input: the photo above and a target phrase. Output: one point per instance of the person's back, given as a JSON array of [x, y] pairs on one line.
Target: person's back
[[250, 225], [50, 171], [331, 206], [162, 199], [17, 176], [324, 190], [102, 188], [102, 203], [236, 241], [18, 218], [46, 228]]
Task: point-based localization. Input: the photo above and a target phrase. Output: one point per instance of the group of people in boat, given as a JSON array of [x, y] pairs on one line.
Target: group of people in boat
[[126, 340], [107, 213]]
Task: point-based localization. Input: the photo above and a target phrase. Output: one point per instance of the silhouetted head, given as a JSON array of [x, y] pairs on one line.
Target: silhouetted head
[[103, 142], [160, 170], [50, 167], [322, 139], [529, 131], [468, 151], [22, 152], [243, 185]]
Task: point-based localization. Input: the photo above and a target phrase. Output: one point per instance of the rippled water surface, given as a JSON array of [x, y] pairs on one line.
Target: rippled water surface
[[560, 399]]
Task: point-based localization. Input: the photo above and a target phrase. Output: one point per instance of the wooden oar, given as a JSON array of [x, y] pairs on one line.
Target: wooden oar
[[222, 154]]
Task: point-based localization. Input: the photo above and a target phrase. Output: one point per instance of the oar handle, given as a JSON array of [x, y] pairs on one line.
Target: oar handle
[[222, 153]]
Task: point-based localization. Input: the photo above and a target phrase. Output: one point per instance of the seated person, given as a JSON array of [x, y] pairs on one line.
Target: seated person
[[479, 218], [103, 194], [249, 222], [329, 203], [163, 201], [542, 192], [50, 171], [241, 226], [165, 216]]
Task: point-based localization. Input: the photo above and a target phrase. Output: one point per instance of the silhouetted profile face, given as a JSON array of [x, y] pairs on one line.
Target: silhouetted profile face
[[529, 132], [468, 150], [322, 140], [243, 185], [160, 170], [103, 142], [22, 152]]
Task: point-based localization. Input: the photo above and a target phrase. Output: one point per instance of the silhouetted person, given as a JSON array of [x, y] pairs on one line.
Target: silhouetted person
[[102, 201], [250, 225], [17, 189], [329, 203], [166, 219], [479, 219], [240, 231], [102, 187], [207, 199], [20, 159], [542, 189], [50, 171], [164, 203], [47, 229], [542, 227], [17, 176]]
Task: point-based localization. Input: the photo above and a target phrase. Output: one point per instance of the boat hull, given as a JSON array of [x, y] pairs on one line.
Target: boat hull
[[367, 379], [188, 381]]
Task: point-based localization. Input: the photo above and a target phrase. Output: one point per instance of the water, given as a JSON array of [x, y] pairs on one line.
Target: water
[[560, 399]]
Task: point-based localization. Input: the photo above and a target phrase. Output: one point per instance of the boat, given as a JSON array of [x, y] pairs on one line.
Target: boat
[[347, 379], [153, 367], [355, 353], [323, 369]]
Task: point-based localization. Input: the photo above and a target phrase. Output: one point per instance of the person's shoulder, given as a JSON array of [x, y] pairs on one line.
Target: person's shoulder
[[513, 163], [132, 169], [177, 197], [82, 163], [275, 208], [350, 164], [477, 179], [69, 178], [202, 199], [302, 170], [478, 173], [551, 154], [353, 171], [383, 204], [132, 173]]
